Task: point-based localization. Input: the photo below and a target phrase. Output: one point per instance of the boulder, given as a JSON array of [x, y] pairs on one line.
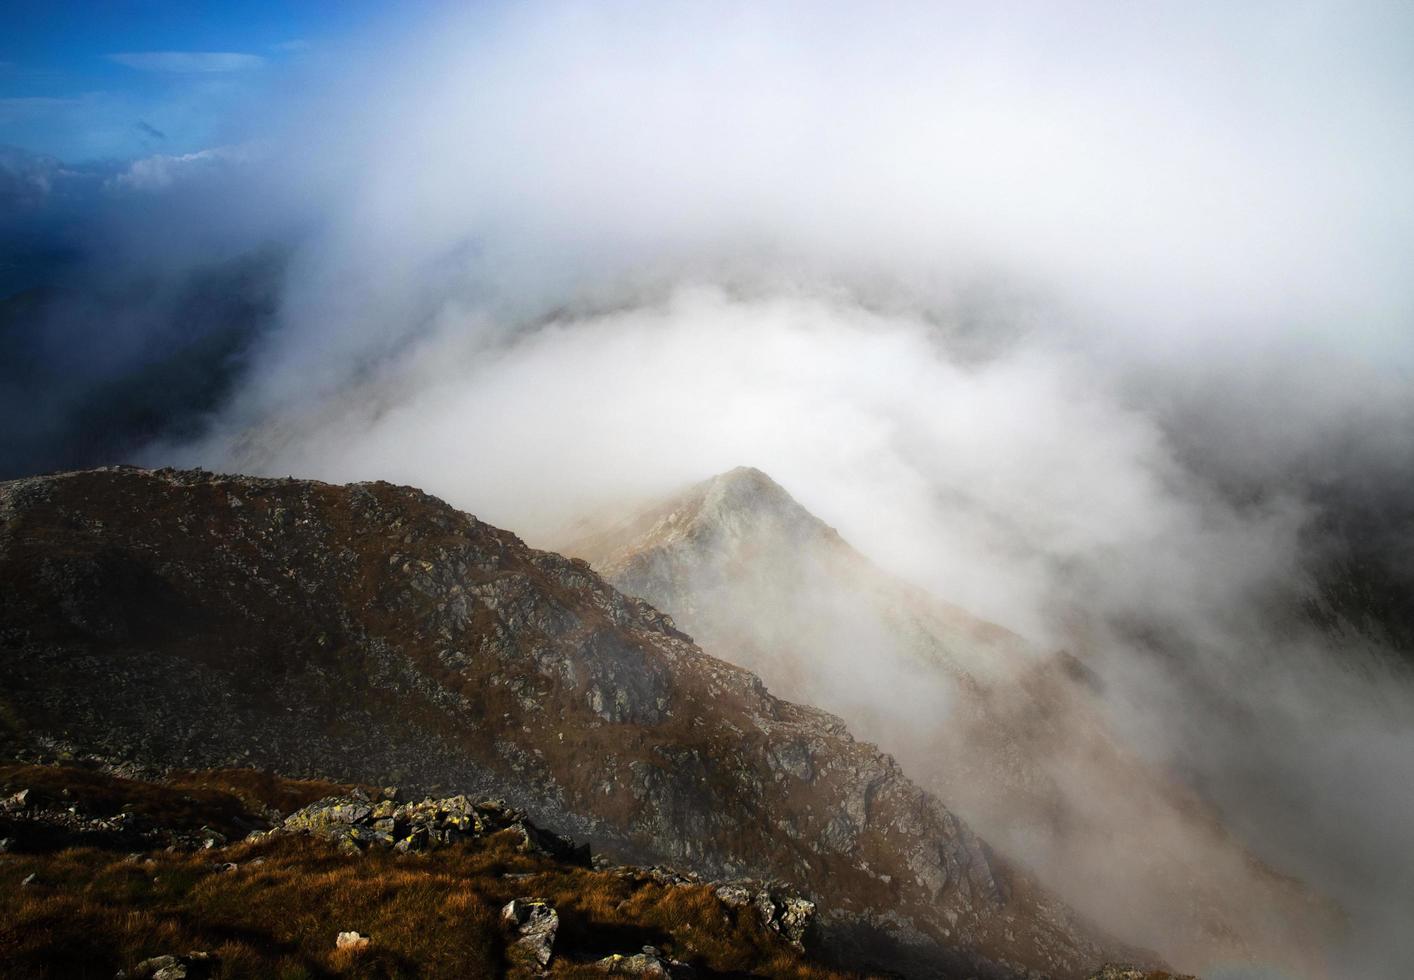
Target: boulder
[[648, 963], [536, 923], [351, 940], [192, 966], [780, 909]]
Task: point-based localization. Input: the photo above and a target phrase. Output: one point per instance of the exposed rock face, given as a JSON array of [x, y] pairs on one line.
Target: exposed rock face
[[371, 633], [1013, 739]]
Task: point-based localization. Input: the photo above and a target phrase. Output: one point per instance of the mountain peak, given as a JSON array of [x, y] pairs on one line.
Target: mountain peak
[[746, 476], [747, 490], [742, 504], [739, 507]]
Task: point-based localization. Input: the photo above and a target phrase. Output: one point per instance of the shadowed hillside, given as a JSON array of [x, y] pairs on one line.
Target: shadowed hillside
[[373, 634]]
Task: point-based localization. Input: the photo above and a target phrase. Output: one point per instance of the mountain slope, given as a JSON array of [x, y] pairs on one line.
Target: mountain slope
[[371, 633], [1015, 740]]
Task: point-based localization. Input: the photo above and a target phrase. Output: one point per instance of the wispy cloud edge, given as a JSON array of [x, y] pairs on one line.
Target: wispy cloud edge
[[188, 62]]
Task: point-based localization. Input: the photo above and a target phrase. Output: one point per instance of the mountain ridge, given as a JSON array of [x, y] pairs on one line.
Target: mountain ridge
[[186, 618], [1015, 738]]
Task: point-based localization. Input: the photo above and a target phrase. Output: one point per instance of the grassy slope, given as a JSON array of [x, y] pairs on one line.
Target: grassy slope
[[93, 911]]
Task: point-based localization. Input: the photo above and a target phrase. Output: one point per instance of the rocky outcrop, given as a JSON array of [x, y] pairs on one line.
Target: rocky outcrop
[[788, 915], [357, 823], [373, 634]]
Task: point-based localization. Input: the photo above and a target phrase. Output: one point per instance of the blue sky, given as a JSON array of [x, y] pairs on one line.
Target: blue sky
[[115, 79]]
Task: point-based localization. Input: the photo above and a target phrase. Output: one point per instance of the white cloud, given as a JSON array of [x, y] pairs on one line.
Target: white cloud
[[162, 170]]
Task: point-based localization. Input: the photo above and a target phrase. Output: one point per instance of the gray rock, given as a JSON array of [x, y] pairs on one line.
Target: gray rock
[[536, 923], [779, 909], [648, 963], [427, 825], [734, 895], [192, 966]]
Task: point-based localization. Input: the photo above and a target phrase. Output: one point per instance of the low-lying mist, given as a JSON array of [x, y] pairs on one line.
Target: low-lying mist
[[1091, 319]]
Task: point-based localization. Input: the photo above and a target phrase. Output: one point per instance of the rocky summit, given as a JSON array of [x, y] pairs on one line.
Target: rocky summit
[[372, 634]]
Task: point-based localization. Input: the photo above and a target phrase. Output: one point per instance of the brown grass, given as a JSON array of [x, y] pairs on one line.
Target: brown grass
[[98, 794], [259, 790], [91, 913]]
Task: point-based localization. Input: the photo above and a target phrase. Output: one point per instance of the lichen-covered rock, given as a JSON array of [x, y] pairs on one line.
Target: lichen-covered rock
[[734, 894], [648, 963], [427, 825], [779, 908], [535, 922], [792, 919]]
